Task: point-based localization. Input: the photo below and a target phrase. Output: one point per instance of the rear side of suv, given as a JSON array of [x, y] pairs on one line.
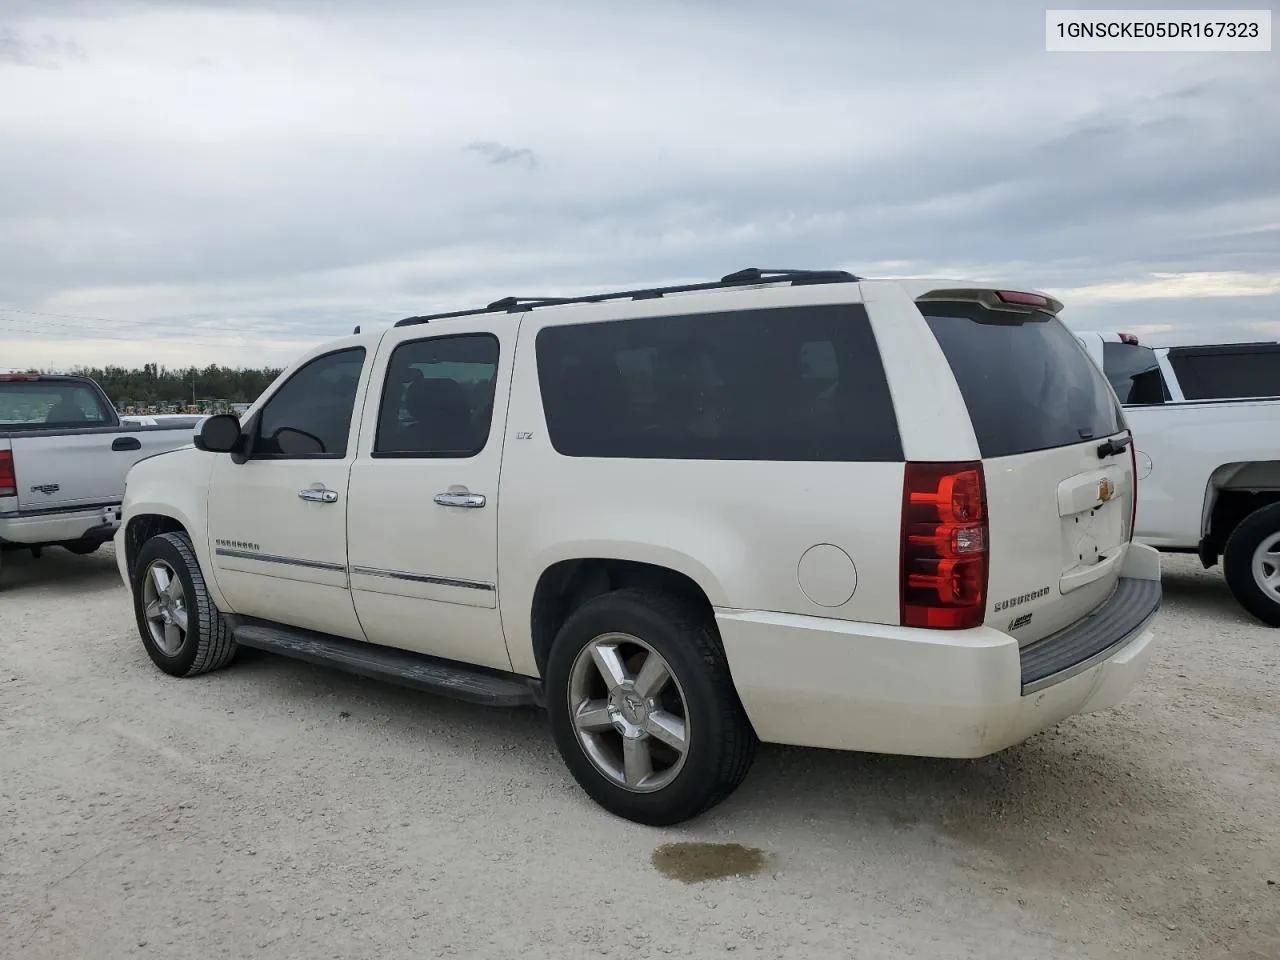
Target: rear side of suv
[[891, 516]]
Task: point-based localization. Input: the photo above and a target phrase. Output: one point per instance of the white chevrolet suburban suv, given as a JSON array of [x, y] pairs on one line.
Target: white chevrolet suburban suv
[[790, 506]]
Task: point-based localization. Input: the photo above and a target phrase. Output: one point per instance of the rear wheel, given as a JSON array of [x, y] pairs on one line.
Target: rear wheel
[[82, 548], [182, 631], [643, 708], [1251, 563]]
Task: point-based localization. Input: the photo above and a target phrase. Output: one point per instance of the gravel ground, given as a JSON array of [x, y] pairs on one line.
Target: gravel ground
[[281, 810]]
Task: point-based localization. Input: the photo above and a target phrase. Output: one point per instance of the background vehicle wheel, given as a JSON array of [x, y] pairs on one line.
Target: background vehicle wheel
[[182, 630], [82, 548], [643, 709], [1251, 563]]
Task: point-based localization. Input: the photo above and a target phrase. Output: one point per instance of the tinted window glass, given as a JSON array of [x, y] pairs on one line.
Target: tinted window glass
[[437, 399], [310, 415], [1134, 373], [40, 404], [1227, 372], [1028, 383], [794, 383]]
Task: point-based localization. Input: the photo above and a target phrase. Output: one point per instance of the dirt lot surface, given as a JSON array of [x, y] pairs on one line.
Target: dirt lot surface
[[279, 810]]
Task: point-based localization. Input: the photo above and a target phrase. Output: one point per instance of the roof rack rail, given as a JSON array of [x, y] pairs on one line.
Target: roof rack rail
[[749, 276]]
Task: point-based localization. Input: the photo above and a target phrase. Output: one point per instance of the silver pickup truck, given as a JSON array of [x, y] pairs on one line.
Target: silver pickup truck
[[64, 454]]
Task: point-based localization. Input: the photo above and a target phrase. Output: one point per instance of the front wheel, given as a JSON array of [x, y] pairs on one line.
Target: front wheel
[[1251, 563], [182, 631], [643, 709]]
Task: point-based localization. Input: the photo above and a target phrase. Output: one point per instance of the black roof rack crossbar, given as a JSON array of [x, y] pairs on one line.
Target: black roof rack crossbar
[[751, 275]]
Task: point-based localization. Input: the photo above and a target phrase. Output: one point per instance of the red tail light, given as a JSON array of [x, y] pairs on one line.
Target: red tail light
[[944, 546], [8, 478], [1133, 507]]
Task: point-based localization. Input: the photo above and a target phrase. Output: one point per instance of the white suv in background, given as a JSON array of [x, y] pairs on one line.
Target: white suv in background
[[793, 506]]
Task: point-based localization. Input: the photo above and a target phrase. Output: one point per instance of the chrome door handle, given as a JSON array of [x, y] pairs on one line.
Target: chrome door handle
[[319, 495], [460, 499]]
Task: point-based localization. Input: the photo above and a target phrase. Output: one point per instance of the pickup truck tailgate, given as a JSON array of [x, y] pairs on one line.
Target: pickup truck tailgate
[[83, 467]]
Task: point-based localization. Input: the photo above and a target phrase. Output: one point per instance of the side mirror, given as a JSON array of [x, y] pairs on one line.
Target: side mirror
[[220, 434]]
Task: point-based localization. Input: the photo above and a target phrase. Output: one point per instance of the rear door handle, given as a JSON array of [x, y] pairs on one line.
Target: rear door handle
[[318, 495], [126, 443], [460, 499]]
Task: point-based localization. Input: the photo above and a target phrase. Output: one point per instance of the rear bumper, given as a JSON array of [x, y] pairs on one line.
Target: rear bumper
[[43, 527], [816, 682]]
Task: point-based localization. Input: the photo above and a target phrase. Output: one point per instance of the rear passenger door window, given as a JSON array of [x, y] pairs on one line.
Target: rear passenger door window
[[310, 415], [1228, 371], [437, 397], [783, 384]]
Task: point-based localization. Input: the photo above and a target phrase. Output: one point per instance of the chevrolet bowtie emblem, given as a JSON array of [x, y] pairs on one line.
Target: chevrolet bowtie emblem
[[1106, 490]]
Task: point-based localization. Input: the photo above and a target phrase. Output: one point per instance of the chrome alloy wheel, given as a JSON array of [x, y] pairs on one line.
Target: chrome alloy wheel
[[629, 712], [1266, 566], [164, 605]]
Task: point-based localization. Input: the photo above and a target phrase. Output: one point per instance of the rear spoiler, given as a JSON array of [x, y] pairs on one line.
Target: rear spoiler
[[1007, 301]]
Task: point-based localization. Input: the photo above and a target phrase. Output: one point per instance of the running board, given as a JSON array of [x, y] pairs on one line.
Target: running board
[[417, 671]]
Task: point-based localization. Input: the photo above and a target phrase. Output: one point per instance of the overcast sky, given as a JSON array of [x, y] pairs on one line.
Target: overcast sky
[[232, 181]]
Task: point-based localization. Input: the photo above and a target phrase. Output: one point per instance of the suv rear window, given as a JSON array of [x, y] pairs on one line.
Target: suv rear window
[[41, 404], [1228, 371], [1027, 382], [1134, 373], [789, 384]]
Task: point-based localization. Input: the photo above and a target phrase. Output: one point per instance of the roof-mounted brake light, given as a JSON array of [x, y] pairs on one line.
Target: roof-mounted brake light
[[1023, 299], [17, 377]]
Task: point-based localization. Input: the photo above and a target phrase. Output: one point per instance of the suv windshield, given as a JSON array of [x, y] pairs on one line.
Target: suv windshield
[[1026, 380], [37, 404]]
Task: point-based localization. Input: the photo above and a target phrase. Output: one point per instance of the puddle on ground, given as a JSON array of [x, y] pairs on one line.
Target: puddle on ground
[[698, 862]]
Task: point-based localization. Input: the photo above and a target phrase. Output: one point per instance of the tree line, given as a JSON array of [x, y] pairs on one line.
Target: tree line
[[154, 384]]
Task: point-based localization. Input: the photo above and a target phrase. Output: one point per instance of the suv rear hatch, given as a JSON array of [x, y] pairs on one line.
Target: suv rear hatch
[[1056, 451]]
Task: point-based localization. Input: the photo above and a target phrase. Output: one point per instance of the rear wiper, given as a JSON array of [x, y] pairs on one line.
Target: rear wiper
[[1112, 447]]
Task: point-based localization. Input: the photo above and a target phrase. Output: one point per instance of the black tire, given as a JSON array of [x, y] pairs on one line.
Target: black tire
[[1237, 563], [721, 744], [208, 644], [82, 548]]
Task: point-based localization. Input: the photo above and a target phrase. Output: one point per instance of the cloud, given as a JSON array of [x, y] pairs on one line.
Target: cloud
[[45, 51], [501, 153], [289, 169]]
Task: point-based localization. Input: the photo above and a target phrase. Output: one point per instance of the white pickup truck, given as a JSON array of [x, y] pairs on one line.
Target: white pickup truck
[[64, 455], [1206, 421]]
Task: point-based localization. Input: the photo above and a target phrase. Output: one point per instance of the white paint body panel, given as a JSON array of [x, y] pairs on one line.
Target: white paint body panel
[[397, 531], [1195, 448], [844, 675]]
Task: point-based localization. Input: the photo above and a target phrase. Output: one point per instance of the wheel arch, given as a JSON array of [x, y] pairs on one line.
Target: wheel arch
[[566, 584], [141, 527], [1234, 492]]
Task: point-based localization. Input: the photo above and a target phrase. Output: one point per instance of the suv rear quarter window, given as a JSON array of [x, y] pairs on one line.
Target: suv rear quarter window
[[782, 384], [1027, 381]]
